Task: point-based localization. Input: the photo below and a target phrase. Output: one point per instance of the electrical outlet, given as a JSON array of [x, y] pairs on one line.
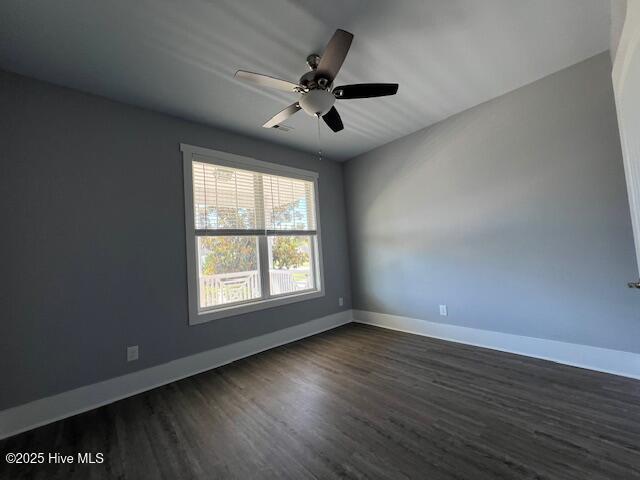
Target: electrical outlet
[[132, 353], [443, 310], [340, 301]]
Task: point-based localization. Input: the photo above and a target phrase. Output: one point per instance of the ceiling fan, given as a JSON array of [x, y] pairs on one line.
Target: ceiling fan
[[315, 87]]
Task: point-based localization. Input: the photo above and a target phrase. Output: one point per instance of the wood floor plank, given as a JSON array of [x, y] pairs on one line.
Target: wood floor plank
[[358, 402]]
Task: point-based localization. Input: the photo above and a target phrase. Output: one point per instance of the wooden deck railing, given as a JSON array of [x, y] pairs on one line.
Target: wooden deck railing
[[234, 287]]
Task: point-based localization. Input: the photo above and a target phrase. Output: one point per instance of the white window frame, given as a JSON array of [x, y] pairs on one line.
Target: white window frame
[[197, 315]]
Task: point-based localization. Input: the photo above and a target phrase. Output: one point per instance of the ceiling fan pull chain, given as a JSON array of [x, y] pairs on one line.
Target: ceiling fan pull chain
[[319, 149]]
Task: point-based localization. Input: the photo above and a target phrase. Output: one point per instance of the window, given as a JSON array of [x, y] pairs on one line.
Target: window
[[253, 239]]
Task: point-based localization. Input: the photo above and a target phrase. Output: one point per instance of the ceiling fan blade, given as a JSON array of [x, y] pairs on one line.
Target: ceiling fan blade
[[266, 81], [365, 90], [333, 120], [334, 55], [282, 116]]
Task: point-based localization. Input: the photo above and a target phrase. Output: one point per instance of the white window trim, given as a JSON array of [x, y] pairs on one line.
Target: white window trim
[[191, 153]]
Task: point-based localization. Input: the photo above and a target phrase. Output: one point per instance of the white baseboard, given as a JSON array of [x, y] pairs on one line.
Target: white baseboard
[[616, 362], [46, 410]]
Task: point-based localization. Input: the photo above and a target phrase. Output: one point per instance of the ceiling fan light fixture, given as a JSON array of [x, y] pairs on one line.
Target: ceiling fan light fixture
[[317, 102]]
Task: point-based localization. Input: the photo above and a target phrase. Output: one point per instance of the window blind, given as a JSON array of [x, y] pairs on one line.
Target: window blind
[[234, 201]]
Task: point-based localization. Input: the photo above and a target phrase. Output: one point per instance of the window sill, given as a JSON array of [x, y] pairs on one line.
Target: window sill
[[234, 310]]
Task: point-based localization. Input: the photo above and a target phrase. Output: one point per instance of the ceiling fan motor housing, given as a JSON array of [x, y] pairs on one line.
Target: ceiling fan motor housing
[[317, 102]]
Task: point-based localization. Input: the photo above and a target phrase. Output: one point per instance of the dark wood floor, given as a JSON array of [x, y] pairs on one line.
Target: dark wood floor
[[359, 402]]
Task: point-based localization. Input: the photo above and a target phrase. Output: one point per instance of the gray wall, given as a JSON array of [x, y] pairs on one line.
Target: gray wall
[[93, 251], [513, 213]]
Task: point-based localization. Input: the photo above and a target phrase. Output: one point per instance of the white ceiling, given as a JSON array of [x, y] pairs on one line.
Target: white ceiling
[[179, 57]]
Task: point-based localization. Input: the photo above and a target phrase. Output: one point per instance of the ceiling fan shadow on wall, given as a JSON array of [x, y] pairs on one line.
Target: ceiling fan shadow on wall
[[315, 87]]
